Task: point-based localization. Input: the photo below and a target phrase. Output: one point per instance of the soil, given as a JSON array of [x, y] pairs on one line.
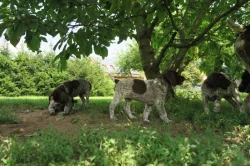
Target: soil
[[37, 120]]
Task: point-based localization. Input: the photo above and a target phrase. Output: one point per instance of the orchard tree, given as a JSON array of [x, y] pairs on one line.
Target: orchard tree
[[161, 27]]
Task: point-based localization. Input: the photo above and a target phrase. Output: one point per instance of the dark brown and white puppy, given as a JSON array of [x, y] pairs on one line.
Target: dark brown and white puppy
[[59, 100], [218, 86], [245, 87], [78, 87], [242, 43], [62, 98], [147, 91]]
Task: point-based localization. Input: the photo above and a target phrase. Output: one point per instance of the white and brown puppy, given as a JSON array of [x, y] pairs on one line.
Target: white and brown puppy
[[218, 86], [78, 87], [59, 100], [62, 98], [147, 91], [245, 87]]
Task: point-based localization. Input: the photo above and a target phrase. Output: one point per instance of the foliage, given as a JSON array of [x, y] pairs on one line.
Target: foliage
[[129, 59], [37, 74], [193, 75], [162, 29], [101, 83], [134, 146]]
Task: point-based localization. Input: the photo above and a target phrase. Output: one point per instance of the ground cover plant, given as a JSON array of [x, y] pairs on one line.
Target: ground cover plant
[[88, 137]]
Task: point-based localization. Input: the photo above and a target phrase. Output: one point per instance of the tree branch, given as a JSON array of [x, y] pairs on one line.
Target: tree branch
[[153, 24], [164, 49], [171, 18], [198, 39]]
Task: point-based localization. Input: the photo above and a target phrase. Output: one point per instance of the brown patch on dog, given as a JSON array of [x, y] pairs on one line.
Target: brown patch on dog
[[139, 86], [217, 80], [71, 85]]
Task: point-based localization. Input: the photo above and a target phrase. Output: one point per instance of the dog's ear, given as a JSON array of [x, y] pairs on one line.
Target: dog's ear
[[170, 76], [71, 85], [173, 77], [116, 81]]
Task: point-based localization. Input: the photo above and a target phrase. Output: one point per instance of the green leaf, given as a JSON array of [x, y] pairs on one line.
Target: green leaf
[[114, 5], [63, 62], [10, 35], [34, 43], [104, 52], [150, 18], [161, 15], [33, 26], [2, 28], [97, 49], [88, 48], [20, 30]]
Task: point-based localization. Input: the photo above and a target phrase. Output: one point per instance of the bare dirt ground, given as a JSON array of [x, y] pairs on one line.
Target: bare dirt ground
[[32, 121], [37, 120]]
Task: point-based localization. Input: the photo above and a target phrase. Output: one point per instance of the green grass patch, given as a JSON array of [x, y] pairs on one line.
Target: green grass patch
[[132, 146], [194, 138]]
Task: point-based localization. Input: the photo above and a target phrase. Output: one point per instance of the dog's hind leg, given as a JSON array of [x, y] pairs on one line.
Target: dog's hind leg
[[146, 113], [127, 109], [163, 114], [115, 101]]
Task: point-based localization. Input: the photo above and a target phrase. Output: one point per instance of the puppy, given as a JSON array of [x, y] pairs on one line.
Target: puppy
[[147, 91], [218, 86], [245, 87], [62, 98]]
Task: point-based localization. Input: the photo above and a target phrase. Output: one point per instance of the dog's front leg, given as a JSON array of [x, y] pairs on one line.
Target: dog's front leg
[[247, 102], [146, 113], [68, 107], [127, 109], [240, 106], [217, 104], [205, 103], [163, 114]]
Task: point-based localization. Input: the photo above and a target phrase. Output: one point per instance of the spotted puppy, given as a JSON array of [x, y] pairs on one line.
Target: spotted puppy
[[59, 100], [78, 87], [62, 97], [218, 86], [147, 91], [245, 87]]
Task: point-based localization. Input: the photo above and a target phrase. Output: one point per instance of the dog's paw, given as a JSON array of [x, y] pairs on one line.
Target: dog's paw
[[145, 121], [133, 117], [66, 113], [168, 121], [52, 113], [113, 118]]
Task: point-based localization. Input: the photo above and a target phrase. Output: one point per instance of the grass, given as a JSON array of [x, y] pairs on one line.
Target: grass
[[194, 138]]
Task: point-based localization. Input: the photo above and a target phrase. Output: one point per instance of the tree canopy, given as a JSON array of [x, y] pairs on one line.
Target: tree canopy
[[162, 28]]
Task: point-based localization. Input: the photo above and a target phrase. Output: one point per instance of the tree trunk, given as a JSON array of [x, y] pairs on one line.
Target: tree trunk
[[147, 53]]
